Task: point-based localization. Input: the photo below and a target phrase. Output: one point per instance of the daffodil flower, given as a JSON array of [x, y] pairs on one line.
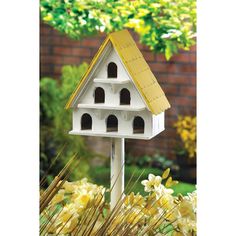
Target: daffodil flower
[[152, 183], [137, 211]]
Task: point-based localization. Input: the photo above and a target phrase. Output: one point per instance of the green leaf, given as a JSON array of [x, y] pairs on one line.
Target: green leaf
[[168, 51]]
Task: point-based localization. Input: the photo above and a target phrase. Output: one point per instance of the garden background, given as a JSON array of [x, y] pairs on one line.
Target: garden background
[[177, 77], [70, 35]]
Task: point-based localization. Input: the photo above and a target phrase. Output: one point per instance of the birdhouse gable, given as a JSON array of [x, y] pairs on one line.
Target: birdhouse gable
[[109, 86]]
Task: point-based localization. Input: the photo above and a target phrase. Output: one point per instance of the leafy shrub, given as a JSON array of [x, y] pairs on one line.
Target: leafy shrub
[[157, 161], [163, 25], [55, 122], [144, 161]]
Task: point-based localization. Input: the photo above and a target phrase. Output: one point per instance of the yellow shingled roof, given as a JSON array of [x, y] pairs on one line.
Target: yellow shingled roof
[[138, 69]]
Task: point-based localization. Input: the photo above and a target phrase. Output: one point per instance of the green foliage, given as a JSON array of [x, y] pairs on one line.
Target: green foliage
[[144, 161], [55, 122], [157, 161], [101, 176], [163, 25]]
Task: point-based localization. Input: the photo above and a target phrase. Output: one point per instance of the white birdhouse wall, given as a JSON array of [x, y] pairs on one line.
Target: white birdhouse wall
[[124, 125], [158, 123]]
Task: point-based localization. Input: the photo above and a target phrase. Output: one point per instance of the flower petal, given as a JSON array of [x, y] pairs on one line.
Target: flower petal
[[144, 182], [151, 177]]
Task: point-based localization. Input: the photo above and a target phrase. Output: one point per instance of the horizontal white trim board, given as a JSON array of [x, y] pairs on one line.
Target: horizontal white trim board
[[113, 134], [111, 81], [106, 107]]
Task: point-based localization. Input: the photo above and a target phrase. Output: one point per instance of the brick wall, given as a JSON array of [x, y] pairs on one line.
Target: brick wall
[[177, 77]]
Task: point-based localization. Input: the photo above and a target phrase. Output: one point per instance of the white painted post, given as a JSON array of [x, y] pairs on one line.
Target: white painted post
[[117, 169]]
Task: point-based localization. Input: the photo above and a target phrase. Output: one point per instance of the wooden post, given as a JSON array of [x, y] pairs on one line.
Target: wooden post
[[117, 169]]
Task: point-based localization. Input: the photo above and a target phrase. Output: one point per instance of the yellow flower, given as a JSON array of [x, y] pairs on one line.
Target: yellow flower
[[166, 201], [186, 128], [134, 216], [69, 187], [66, 220], [162, 190], [152, 183], [83, 200], [58, 197], [186, 210], [192, 197], [151, 208], [184, 135], [166, 173], [132, 200], [187, 226]]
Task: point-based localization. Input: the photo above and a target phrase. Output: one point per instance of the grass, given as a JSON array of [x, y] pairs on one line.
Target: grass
[[101, 176]]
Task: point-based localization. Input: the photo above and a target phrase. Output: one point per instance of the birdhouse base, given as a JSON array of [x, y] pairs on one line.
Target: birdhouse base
[[113, 134]]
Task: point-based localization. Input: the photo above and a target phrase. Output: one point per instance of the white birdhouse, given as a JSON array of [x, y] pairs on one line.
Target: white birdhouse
[[118, 97]]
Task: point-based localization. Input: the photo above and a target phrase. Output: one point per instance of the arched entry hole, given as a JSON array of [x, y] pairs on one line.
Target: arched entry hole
[[138, 125], [99, 95], [86, 122], [112, 70], [124, 97], [112, 123]]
